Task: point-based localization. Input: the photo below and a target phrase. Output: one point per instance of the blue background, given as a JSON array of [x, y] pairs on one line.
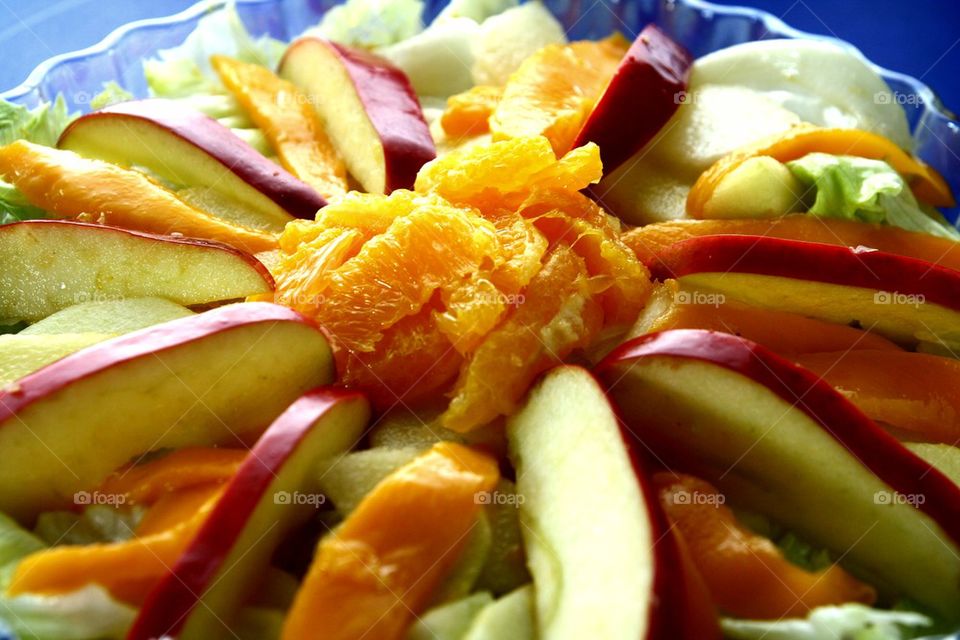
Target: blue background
[[918, 37]]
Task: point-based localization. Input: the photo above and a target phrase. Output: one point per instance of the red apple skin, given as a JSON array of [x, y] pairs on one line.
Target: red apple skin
[[52, 378], [392, 107], [171, 600], [644, 93], [195, 242], [290, 194], [831, 264], [876, 449]]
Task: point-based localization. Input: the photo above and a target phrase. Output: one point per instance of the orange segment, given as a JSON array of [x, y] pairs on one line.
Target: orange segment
[[555, 89], [558, 315], [289, 122], [502, 175], [182, 469], [746, 574], [395, 273], [128, 569], [928, 185], [69, 186], [916, 392], [381, 566], [414, 363], [647, 241], [468, 113]]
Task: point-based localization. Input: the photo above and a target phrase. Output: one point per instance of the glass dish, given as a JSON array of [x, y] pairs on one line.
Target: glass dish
[[700, 26]]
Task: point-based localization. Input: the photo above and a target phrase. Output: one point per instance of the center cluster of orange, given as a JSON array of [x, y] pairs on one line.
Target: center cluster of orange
[[493, 269]]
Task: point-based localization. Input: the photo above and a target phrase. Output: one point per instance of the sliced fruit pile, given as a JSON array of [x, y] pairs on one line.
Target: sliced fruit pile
[[460, 399], [494, 251]]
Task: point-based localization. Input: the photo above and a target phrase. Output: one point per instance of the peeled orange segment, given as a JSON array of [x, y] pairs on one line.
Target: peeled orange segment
[[914, 392], [555, 89], [371, 214], [928, 185], [468, 113], [650, 240], [557, 316], [523, 248], [69, 186], [289, 122], [624, 282], [746, 574], [375, 572], [127, 569], [502, 175], [171, 509], [395, 273], [184, 468], [413, 363], [303, 276]]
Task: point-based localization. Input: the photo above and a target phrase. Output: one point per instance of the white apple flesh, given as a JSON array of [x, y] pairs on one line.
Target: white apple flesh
[[49, 265], [604, 561], [368, 108]]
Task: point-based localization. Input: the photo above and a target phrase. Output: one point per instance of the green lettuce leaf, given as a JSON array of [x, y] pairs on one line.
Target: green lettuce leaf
[[42, 124], [14, 206], [846, 622], [866, 190], [185, 70], [372, 23]]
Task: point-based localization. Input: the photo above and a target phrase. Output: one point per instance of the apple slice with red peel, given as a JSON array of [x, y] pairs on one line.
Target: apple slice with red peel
[[604, 561], [904, 299], [191, 150], [48, 265], [214, 378], [369, 109], [274, 491], [779, 441], [644, 93]]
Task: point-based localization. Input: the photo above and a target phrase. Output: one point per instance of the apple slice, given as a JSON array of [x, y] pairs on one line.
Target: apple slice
[[369, 109], [604, 561], [644, 93], [49, 265], [262, 503], [108, 316], [764, 430], [904, 299], [189, 149], [20, 354], [217, 377]]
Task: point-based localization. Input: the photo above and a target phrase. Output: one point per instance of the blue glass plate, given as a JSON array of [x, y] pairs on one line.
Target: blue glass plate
[[700, 26]]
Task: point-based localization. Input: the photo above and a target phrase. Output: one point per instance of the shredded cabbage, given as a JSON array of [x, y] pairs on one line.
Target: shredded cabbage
[[371, 23], [846, 622]]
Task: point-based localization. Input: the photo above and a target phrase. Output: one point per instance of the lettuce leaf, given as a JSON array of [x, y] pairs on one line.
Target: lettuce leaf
[[846, 622], [85, 614], [14, 206], [866, 190], [185, 70], [42, 124], [372, 23]]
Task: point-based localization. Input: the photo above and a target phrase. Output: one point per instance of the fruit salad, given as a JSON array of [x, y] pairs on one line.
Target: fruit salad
[[469, 330]]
